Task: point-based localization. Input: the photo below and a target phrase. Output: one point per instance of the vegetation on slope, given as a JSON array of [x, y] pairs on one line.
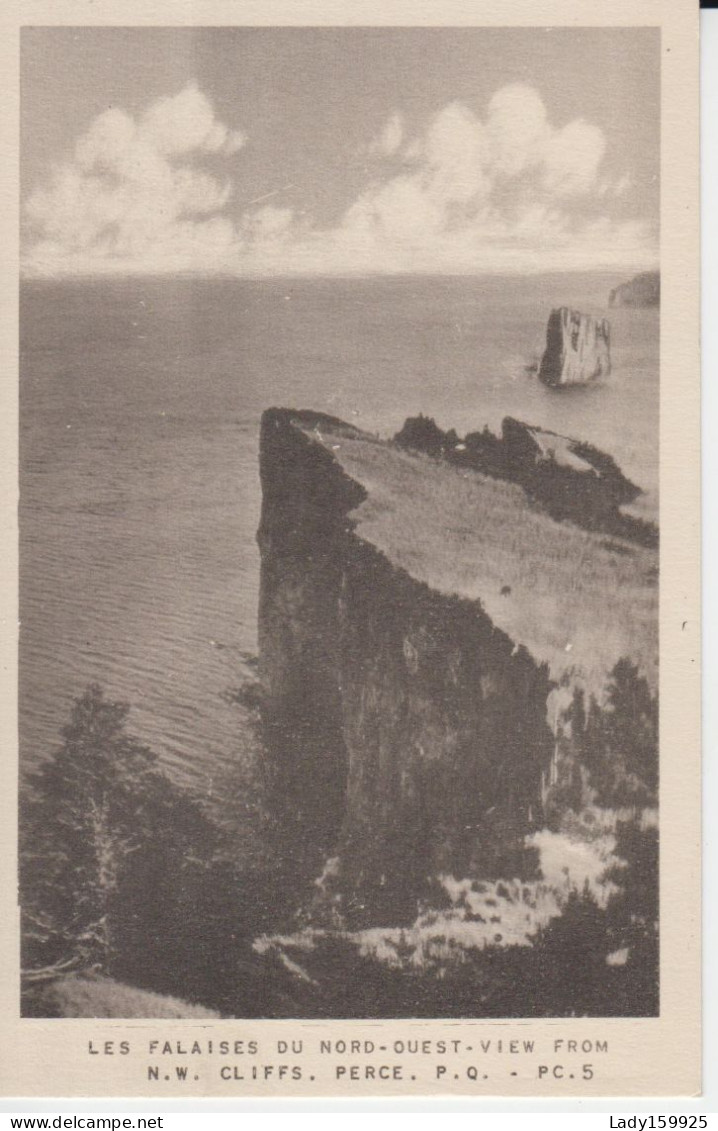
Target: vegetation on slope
[[97, 996], [170, 918], [127, 881], [125, 875], [542, 582], [569, 479]]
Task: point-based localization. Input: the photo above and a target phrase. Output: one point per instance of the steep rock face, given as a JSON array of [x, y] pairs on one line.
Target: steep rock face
[[407, 720], [642, 290], [394, 715], [303, 536], [577, 348], [439, 709]]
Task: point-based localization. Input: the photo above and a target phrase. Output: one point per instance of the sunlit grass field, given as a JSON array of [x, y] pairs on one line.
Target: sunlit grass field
[[576, 600]]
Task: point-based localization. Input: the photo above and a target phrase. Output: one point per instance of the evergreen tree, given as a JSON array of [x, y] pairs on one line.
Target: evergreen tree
[[123, 873], [619, 743], [85, 816], [109, 846]]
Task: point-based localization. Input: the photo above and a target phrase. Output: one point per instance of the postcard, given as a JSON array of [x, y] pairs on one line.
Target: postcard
[[351, 645]]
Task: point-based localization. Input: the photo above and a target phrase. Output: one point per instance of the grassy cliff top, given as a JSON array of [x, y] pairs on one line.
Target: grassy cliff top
[[98, 996], [577, 600]]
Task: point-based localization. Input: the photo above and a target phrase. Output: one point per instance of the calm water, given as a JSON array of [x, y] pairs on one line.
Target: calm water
[[140, 406]]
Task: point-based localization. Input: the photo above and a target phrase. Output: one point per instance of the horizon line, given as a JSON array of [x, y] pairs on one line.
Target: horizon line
[[187, 275]]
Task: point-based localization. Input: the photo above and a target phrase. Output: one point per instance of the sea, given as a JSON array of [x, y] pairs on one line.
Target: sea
[[140, 403]]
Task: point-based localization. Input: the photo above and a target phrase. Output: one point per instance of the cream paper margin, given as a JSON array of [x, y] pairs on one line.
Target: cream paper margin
[[646, 1057]]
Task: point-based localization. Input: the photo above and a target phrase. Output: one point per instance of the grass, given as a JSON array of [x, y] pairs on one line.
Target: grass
[[574, 599], [97, 996]]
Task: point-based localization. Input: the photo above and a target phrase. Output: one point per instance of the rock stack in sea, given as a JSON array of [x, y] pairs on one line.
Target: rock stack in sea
[[578, 348]]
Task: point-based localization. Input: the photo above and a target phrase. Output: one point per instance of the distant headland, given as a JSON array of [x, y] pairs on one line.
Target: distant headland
[[642, 290]]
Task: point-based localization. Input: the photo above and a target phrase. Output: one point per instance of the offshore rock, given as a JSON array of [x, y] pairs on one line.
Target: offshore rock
[[642, 290], [578, 348]]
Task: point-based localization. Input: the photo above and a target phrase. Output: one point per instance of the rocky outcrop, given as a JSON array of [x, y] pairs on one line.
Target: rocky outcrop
[[392, 712], [407, 681], [569, 478], [642, 290], [578, 349], [573, 479]]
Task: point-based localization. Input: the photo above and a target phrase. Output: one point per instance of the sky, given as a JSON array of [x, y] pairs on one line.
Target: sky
[[335, 151]]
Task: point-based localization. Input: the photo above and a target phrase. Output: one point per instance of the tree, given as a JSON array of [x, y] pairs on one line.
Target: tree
[[619, 742], [85, 816], [124, 873]]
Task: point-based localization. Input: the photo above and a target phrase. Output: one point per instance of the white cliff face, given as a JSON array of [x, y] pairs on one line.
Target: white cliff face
[[578, 348]]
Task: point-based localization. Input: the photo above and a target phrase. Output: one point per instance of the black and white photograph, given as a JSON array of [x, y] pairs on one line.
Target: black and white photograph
[[339, 522]]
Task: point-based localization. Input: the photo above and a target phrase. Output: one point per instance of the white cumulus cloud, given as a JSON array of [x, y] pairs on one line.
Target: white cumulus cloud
[[132, 195], [388, 142], [518, 130], [503, 189], [572, 159]]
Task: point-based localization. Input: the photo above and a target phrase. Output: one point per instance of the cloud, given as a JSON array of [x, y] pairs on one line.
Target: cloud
[[185, 123], [506, 190], [268, 224], [572, 159], [389, 140], [454, 156], [132, 195], [517, 129]]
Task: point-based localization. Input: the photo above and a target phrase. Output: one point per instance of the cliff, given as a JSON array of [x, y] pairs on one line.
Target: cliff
[[577, 349], [642, 290], [419, 627]]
